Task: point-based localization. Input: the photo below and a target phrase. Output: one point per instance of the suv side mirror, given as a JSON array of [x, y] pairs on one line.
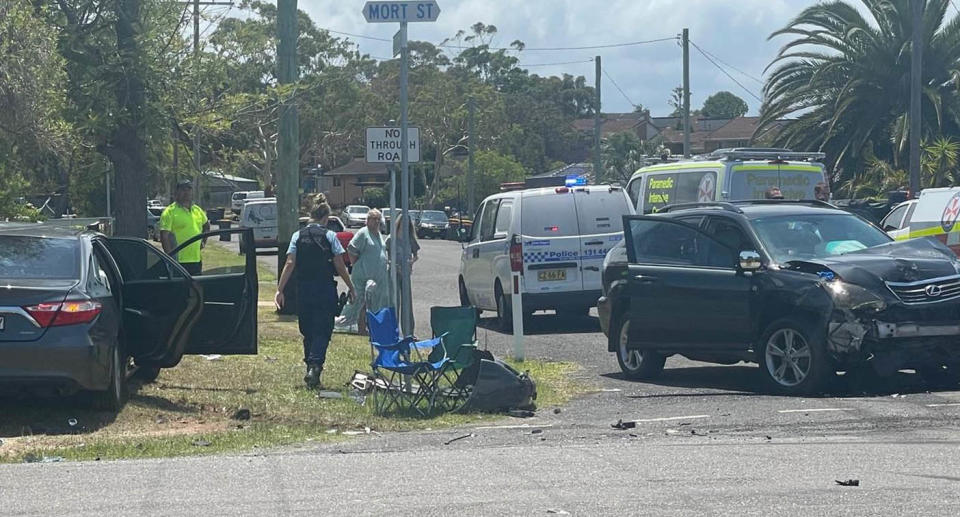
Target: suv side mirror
[[749, 261]]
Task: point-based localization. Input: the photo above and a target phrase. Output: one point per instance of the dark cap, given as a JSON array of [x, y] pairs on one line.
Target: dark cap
[[184, 184]]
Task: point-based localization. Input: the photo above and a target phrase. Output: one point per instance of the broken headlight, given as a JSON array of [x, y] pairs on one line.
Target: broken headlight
[[855, 298]]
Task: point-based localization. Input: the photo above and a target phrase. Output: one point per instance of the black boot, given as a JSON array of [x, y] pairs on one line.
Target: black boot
[[312, 378]]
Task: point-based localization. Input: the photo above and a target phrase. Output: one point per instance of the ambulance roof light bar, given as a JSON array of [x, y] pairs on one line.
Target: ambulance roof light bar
[[762, 153]]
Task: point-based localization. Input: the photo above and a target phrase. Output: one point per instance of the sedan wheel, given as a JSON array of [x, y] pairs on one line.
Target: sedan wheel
[[792, 363], [636, 364], [116, 393]]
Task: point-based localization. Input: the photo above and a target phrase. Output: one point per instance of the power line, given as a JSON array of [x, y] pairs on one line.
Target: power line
[[708, 58], [524, 65], [728, 65], [618, 87], [361, 36]]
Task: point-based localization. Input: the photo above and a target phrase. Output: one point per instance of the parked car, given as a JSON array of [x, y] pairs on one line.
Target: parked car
[[432, 224], [260, 215], [354, 216], [556, 236], [727, 174], [153, 224], [237, 199], [79, 306], [155, 203], [802, 288]]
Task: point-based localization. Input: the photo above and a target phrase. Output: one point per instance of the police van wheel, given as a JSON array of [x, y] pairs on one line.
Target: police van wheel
[[464, 298], [504, 310]]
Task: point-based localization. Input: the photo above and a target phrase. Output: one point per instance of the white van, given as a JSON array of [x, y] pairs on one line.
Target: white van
[[936, 213], [557, 236], [727, 175], [239, 198], [261, 215]]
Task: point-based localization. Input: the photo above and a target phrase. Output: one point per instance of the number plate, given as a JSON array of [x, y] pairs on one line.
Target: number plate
[[552, 275]]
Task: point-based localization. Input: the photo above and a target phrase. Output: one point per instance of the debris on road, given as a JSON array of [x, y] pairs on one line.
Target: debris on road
[[201, 443], [558, 512], [521, 413], [673, 431], [212, 357], [849, 482], [621, 425], [471, 435], [72, 422], [556, 411], [536, 431], [241, 414]]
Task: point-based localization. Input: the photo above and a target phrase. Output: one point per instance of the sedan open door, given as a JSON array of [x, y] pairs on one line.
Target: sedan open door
[[227, 323]]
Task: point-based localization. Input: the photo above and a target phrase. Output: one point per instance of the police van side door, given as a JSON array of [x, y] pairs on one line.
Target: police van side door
[[228, 320]]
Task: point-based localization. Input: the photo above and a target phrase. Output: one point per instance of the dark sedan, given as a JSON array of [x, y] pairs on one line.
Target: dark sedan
[[432, 224], [77, 308]]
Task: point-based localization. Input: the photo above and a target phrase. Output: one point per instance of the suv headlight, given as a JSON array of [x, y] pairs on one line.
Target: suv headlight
[[853, 297]]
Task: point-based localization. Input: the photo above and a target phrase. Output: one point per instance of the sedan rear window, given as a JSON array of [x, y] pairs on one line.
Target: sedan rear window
[[39, 257]]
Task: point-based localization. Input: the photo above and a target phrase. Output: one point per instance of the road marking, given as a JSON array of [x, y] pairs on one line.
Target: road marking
[[815, 410], [944, 405], [610, 390], [522, 426], [669, 418]]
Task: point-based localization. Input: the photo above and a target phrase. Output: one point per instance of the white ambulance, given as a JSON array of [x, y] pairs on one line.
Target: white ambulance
[[557, 237], [934, 214]]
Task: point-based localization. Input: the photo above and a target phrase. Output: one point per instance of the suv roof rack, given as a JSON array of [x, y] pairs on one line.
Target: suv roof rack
[[729, 207], [764, 153]]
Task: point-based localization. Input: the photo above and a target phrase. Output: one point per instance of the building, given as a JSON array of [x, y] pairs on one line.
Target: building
[[217, 188], [345, 185]]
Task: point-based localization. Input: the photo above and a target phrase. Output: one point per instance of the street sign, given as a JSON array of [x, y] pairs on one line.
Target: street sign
[[397, 43], [383, 144], [397, 12]]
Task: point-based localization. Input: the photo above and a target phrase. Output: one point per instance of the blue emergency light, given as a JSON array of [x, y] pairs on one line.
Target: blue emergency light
[[576, 181]]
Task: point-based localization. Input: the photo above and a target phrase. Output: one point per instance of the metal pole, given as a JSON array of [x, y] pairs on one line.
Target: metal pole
[[686, 93], [597, 161], [393, 241], [471, 110], [916, 70], [406, 299], [107, 183]]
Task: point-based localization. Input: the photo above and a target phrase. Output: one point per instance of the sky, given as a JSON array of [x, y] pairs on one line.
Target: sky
[[735, 31]]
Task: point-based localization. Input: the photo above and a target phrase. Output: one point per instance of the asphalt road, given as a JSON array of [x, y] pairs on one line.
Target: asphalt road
[[707, 440]]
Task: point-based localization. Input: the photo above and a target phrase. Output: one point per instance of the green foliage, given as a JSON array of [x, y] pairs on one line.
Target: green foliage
[[938, 166], [844, 78], [491, 168], [724, 105]]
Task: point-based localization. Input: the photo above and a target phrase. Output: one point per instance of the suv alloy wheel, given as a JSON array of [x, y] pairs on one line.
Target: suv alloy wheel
[[635, 364], [792, 359]]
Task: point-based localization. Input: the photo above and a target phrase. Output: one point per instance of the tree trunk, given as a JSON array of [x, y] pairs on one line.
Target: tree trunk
[[125, 147]]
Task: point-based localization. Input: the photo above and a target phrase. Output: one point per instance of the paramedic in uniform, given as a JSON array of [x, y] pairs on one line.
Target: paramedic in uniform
[[314, 257], [180, 222]]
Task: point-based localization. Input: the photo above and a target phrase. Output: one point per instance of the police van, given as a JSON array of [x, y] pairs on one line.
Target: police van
[[727, 174], [934, 214], [556, 236]]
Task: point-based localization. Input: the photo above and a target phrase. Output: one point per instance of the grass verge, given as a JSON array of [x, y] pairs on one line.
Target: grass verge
[[190, 409]]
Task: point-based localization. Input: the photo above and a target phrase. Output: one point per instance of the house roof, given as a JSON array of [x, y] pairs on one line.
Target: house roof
[[358, 166], [740, 128], [611, 123]]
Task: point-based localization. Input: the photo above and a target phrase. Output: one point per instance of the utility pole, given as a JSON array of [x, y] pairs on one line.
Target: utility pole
[[597, 162], [288, 156], [471, 110], [916, 70], [686, 93]]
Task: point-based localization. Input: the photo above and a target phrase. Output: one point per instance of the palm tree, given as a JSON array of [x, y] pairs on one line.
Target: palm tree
[[845, 80]]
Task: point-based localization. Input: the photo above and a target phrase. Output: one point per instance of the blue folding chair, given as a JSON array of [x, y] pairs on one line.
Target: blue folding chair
[[404, 379]]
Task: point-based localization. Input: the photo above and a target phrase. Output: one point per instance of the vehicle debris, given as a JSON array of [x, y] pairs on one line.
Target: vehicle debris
[[241, 414], [621, 425], [849, 482], [471, 435], [536, 431], [201, 443], [521, 413]]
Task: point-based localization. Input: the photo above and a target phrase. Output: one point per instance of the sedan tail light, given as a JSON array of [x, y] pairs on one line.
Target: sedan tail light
[[67, 313]]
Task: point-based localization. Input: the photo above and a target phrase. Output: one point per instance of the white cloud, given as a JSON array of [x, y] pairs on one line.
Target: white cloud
[[736, 31]]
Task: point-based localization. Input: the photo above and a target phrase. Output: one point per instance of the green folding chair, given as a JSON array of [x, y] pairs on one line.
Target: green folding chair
[[458, 328]]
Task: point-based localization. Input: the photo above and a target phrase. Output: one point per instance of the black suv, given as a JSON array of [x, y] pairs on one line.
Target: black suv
[[802, 288]]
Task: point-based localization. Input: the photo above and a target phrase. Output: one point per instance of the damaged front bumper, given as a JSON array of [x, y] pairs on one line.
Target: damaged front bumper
[[892, 345]]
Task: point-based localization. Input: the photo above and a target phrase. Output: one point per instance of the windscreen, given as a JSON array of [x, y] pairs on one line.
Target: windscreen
[[357, 209], [39, 257], [262, 213], [804, 237], [433, 216], [753, 183], [549, 215]]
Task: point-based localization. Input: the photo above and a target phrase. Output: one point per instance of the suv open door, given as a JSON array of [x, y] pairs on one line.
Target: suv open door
[[227, 323]]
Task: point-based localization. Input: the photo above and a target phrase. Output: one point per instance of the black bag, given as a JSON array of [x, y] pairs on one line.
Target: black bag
[[499, 387]]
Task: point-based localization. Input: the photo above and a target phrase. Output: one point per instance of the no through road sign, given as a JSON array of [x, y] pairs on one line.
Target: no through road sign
[[383, 144]]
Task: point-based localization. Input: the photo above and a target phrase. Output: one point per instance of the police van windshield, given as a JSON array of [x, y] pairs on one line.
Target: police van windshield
[[753, 183]]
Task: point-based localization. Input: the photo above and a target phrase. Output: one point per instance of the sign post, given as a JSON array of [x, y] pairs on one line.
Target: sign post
[[403, 12]]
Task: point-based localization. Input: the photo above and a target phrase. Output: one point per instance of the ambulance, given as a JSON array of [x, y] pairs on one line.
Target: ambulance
[[727, 175], [933, 214]]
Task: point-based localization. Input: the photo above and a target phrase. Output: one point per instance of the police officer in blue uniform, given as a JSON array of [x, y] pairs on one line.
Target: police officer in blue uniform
[[314, 257]]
